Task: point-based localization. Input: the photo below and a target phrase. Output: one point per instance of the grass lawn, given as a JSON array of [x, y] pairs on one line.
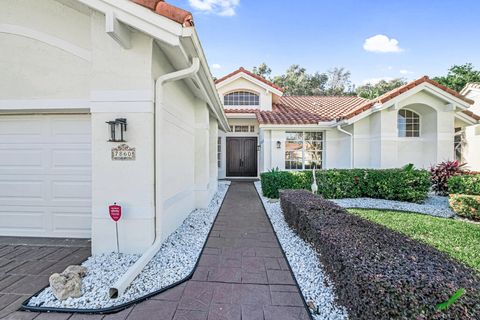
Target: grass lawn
[[459, 239]]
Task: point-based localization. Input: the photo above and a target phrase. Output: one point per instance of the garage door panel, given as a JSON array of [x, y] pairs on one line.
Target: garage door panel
[[19, 128], [12, 159], [72, 190], [22, 190], [21, 220], [71, 223], [45, 175], [71, 159]]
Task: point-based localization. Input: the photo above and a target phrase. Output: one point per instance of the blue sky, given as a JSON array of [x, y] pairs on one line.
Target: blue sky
[[408, 38]]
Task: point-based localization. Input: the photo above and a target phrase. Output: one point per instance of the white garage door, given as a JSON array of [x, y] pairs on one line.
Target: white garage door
[[45, 175]]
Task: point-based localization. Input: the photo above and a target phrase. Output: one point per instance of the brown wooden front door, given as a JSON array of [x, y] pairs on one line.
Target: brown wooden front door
[[241, 157]]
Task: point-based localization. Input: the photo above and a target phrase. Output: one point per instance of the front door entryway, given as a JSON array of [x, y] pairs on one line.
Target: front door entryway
[[241, 157]]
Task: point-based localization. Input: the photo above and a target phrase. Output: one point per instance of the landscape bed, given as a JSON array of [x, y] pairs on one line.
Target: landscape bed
[[379, 273], [174, 262]]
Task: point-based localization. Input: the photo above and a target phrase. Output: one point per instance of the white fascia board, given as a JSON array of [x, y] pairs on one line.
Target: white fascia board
[[44, 104], [208, 86], [140, 18], [465, 117], [294, 127], [447, 96], [241, 116], [395, 102], [251, 79]]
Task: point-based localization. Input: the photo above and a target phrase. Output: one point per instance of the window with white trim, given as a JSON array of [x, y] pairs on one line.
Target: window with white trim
[[241, 98], [241, 129], [303, 150], [408, 124]]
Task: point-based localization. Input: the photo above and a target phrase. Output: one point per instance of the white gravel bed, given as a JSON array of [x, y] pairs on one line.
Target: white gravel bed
[[434, 205], [174, 261], [316, 287]]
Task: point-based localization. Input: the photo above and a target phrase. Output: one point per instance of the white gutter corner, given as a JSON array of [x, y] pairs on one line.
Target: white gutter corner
[[119, 287]]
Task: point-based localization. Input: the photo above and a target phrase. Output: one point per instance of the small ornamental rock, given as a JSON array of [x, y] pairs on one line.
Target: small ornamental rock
[[68, 284], [80, 270]]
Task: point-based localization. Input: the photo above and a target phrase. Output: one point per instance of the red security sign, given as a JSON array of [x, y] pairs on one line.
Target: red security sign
[[115, 212]]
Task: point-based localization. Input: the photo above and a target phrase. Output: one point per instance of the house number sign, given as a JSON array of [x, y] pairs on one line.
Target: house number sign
[[123, 152]]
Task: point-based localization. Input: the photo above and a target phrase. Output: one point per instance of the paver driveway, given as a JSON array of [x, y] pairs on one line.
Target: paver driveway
[[242, 274], [26, 264]]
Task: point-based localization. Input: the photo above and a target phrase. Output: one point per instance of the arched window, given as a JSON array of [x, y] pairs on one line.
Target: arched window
[[241, 98], [408, 124]]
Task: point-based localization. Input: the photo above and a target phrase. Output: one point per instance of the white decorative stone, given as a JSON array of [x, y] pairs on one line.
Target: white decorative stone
[[174, 261]]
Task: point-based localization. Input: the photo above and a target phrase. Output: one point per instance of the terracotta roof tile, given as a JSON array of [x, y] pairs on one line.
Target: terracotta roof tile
[[308, 110], [402, 89], [169, 11], [471, 114], [241, 69]]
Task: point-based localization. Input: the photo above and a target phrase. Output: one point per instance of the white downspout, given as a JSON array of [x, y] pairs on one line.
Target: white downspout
[[339, 127], [124, 281]]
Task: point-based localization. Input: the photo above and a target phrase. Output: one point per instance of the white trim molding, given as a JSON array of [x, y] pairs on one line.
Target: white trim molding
[[43, 104], [48, 39]]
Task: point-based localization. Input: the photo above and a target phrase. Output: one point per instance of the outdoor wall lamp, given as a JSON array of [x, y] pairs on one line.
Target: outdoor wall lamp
[[279, 144], [117, 129]]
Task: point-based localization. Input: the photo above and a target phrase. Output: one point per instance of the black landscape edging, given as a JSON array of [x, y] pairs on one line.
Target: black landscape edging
[[123, 306]]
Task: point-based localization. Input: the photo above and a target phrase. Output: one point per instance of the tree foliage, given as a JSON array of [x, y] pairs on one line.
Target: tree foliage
[[296, 81], [263, 71], [339, 83], [372, 91], [458, 76]]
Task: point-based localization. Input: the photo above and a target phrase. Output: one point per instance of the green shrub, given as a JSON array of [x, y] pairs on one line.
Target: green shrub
[[391, 184], [466, 206], [465, 184]]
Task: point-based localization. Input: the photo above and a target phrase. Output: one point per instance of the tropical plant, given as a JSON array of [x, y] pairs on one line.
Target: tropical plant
[[441, 173]]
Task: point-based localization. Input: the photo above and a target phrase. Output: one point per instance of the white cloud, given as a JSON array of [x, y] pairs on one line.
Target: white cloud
[[405, 72], [221, 7], [374, 81], [382, 44], [216, 66]]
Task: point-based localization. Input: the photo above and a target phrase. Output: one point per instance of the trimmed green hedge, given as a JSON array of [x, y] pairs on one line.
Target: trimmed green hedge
[[390, 184], [465, 184]]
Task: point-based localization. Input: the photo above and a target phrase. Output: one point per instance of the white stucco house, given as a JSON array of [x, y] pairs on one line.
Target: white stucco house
[[417, 123], [471, 134], [73, 70]]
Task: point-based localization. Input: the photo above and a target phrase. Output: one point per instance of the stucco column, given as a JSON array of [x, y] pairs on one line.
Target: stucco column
[[213, 156], [121, 87], [202, 155]]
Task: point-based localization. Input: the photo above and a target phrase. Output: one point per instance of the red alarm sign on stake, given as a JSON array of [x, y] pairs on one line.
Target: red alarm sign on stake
[[115, 212]]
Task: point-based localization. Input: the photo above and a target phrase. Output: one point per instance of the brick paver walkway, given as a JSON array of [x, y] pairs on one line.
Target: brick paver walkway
[[242, 274], [26, 264]]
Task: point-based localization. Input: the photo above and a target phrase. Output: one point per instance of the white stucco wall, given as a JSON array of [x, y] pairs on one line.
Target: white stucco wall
[[34, 36], [68, 59], [122, 87], [471, 152]]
